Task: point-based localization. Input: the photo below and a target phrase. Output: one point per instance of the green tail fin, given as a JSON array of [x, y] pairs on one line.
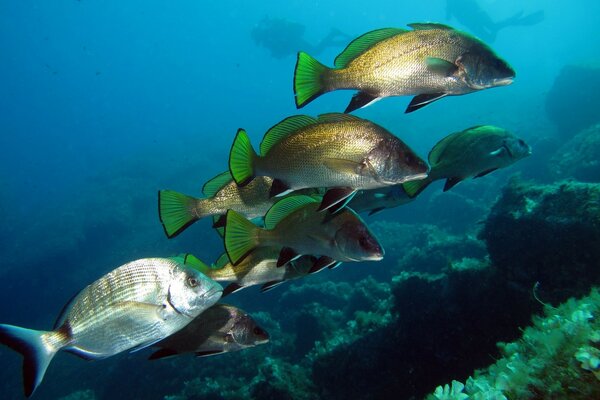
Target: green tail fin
[[308, 79], [240, 236], [37, 354], [413, 188], [241, 158], [176, 211]]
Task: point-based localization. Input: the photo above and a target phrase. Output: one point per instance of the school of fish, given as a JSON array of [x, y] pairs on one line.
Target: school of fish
[[291, 208]]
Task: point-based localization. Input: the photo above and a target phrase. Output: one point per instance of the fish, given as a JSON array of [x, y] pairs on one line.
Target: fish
[[377, 200], [472, 153], [220, 329], [431, 61], [340, 152], [295, 225], [130, 308], [178, 211], [258, 268]]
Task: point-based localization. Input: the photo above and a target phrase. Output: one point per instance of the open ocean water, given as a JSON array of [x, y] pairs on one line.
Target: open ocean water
[[102, 104]]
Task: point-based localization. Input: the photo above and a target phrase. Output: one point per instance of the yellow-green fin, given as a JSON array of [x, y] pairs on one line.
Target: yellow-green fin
[[363, 43], [338, 117], [309, 77], [440, 147], [220, 228], [423, 26], [240, 236], [284, 129], [217, 183], [413, 188], [285, 207], [342, 165], [175, 211], [222, 261], [241, 158], [194, 262]]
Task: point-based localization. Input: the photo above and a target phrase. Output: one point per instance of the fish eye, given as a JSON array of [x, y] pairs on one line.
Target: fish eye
[[192, 282], [522, 142]]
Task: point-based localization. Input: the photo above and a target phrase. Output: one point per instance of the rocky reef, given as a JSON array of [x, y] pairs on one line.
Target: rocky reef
[[579, 157]]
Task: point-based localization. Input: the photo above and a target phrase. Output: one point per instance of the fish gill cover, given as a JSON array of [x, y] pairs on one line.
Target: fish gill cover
[[105, 105]]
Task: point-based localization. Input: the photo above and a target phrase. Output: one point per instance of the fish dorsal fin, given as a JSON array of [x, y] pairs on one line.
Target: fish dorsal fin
[[62, 316], [438, 150], [217, 183], [338, 117], [194, 262], [285, 207], [424, 26], [283, 129], [222, 261], [363, 43]]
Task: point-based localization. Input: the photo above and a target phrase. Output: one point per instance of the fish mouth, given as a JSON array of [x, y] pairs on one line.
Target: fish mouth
[[504, 81]]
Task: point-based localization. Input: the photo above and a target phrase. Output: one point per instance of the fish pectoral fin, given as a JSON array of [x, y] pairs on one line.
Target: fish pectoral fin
[[270, 285], [286, 255], [162, 353], [451, 182], [440, 66], [360, 100], [336, 198], [498, 152], [231, 288], [484, 173], [422, 100], [343, 165], [208, 353], [322, 262], [141, 312], [144, 345]]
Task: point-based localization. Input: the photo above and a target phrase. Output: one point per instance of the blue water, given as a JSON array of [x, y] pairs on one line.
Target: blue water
[[104, 103]]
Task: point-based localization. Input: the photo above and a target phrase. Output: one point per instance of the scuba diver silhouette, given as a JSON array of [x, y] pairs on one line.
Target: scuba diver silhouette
[[471, 15], [284, 38]]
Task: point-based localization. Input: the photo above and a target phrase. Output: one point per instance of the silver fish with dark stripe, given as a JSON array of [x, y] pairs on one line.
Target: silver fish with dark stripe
[[131, 307]]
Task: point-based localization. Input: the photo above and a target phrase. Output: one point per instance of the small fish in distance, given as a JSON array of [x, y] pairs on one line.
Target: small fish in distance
[[130, 308], [430, 62], [471, 153]]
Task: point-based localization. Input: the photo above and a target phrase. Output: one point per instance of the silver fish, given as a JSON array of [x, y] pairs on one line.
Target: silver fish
[[131, 307], [220, 329]]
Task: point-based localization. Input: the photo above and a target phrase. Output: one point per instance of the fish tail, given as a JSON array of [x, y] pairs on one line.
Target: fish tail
[[242, 158], [413, 188], [309, 79], [177, 211], [241, 236], [37, 347]]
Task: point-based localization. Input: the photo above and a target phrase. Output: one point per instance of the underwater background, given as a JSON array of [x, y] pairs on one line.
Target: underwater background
[[104, 103]]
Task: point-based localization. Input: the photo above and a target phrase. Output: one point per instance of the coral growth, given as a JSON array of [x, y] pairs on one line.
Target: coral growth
[[579, 157]]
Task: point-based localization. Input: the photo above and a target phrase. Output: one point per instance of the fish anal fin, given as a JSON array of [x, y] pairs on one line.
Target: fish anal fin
[[231, 288], [376, 210], [270, 285], [422, 100], [208, 353], [451, 182], [360, 100], [279, 188], [322, 262], [286, 255], [336, 195]]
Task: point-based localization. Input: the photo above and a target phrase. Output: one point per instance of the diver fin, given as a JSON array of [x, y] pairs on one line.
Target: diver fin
[[231, 288], [451, 182], [336, 195], [376, 210], [270, 285], [208, 353], [162, 353], [440, 66], [279, 188], [422, 100], [360, 100], [286, 255], [484, 173]]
